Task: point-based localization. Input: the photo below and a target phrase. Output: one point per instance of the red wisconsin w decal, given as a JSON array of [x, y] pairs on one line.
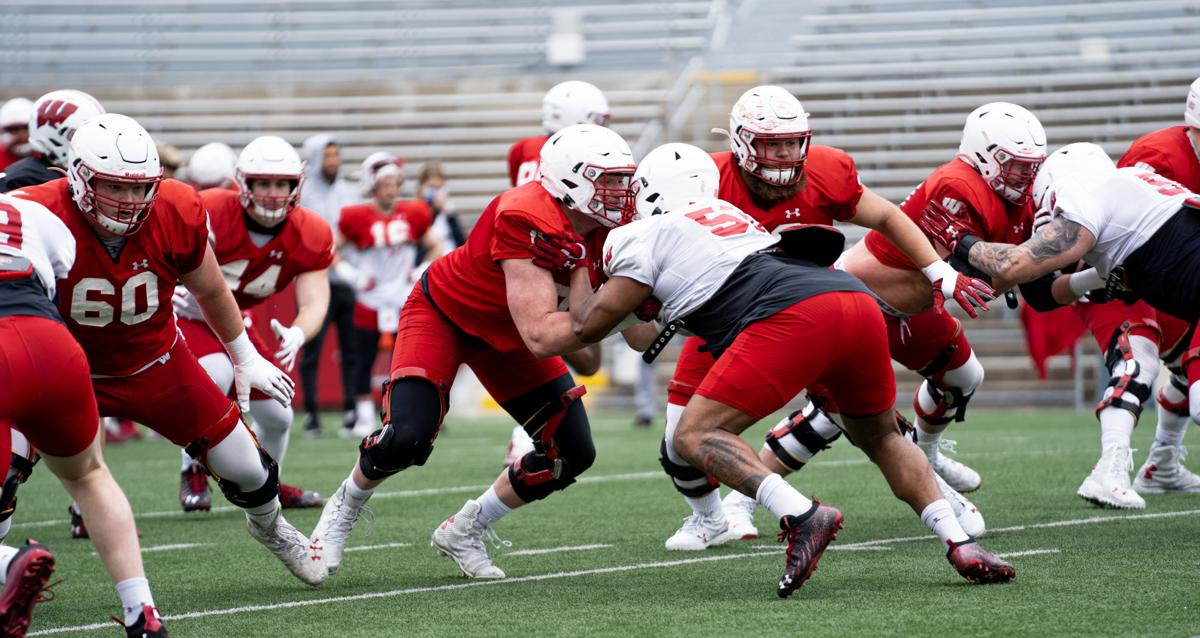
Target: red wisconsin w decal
[[55, 112]]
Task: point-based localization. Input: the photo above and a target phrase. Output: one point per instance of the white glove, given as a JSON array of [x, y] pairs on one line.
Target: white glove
[[252, 371], [350, 275], [291, 339], [184, 304]]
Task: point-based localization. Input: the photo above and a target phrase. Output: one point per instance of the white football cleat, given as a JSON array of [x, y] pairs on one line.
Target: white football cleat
[[699, 533], [1164, 472], [460, 537], [739, 512], [333, 529], [962, 478], [965, 511], [290, 546], [518, 446], [1108, 483]]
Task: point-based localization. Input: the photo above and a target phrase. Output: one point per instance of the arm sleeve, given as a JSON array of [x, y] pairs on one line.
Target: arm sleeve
[[1037, 293]]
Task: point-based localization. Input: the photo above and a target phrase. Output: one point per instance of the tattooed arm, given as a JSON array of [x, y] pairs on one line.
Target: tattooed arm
[[1057, 244]]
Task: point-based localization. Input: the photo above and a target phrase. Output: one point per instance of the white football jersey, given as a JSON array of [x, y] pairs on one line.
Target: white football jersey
[[1123, 210], [685, 255], [30, 230]]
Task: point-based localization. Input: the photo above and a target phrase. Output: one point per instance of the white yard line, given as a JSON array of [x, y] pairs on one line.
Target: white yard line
[[170, 547], [555, 550], [1029, 552], [367, 548], [575, 574]]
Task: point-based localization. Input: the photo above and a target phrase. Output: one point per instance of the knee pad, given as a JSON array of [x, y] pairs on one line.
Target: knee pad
[[562, 451], [943, 397], [1133, 364], [687, 480], [413, 420], [19, 470], [256, 497], [802, 434]]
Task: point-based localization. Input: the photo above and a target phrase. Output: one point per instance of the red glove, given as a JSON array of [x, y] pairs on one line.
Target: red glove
[[557, 253], [970, 293], [942, 226]]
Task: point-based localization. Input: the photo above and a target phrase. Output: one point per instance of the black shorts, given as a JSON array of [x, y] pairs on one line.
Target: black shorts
[[1165, 271]]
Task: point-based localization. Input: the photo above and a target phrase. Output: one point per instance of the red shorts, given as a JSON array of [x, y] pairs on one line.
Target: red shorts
[[836, 339], [690, 369], [202, 341], [1103, 320], [174, 398], [926, 338], [429, 346], [45, 387]]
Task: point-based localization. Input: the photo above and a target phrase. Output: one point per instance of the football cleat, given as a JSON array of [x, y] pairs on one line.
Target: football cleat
[[960, 477], [978, 565], [349, 418], [312, 426], [333, 529], [965, 511], [292, 497], [148, 625], [78, 528], [1164, 472], [461, 537], [28, 573], [700, 532], [739, 512], [519, 445], [807, 538], [193, 489], [290, 546], [1108, 483]]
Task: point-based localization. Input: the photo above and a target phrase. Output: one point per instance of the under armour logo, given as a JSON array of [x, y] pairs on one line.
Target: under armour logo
[[276, 254], [791, 213], [145, 263]]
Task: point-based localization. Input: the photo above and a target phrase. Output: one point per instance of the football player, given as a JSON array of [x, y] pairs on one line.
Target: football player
[[774, 174], [489, 305], [262, 241], [777, 324], [137, 236], [53, 121], [14, 130], [37, 249], [212, 166], [377, 241]]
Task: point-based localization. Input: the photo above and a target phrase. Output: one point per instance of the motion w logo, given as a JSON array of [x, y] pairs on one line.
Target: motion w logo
[[55, 112]]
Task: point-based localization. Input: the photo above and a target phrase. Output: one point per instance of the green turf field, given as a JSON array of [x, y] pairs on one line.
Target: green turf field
[[1081, 571]]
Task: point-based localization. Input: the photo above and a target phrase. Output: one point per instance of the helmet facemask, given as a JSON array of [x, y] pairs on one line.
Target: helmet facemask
[[119, 216], [269, 210], [1014, 176], [773, 170], [611, 203]]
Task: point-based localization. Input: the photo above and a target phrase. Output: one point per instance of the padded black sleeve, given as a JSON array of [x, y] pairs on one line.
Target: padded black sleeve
[[1037, 293]]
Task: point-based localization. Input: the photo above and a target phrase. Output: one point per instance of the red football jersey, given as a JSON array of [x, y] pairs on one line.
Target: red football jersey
[[524, 158], [960, 189], [6, 157], [831, 191], [1167, 152], [468, 284], [362, 225], [120, 309], [254, 273]]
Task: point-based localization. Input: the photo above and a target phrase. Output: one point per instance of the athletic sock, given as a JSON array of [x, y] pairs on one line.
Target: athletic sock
[[939, 517], [708, 506], [780, 498], [134, 593], [491, 508], [1116, 427]]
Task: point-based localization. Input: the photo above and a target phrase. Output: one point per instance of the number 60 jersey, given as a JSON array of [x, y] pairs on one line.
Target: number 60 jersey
[[119, 308]]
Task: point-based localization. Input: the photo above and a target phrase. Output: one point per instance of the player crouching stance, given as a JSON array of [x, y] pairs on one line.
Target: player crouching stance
[[777, 324], [491, 305]]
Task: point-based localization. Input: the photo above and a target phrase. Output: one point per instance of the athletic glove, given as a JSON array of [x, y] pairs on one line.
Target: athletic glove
[[557, 253], [291, 338], [252, 371], [970, 293], [939, 224]]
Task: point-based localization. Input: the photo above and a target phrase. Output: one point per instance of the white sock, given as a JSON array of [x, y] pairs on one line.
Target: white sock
[[264, 514], [5, 528], [356, 494], [1171, 427], [366, 413], [1116, 427], [134, 593], [736, 498], [6, 555], [928, 441], [782, 499], [188, 461], [708, 505], [491, 508], [939, 517]]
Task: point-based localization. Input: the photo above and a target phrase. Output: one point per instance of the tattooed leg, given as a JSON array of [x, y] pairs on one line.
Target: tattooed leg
[[707, 438]]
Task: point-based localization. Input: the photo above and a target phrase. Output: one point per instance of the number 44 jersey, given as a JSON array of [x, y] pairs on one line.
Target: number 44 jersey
[[119, 308]]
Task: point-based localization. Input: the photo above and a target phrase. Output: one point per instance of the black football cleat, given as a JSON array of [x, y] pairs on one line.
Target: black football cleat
[[807, 535]]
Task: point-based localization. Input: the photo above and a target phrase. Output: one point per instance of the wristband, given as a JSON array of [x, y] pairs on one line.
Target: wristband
[[963, 250]]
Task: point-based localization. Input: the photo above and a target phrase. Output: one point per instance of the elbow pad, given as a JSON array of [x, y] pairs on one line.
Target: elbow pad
[[1038, 293]]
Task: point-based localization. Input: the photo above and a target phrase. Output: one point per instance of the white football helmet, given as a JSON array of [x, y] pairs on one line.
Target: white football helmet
[[113, 148], [15, 114], [768, 114], [55, 117], [1006, 144], [1081, 161], [574, 102], [671, 176], [1191, 114], [212, 166], [589, 168], [376, 165], [269, 157]]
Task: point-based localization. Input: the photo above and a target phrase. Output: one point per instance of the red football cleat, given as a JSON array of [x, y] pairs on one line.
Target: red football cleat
[[807, 537], [28, 573], [292, 497], [193, 490], [978, 565]]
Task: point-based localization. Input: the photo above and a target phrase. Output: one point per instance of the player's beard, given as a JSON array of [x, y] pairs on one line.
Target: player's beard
[[771, 194]]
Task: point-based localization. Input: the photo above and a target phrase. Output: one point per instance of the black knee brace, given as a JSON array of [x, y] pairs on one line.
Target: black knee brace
[[255, 497], [687, 480], [795, 435], [562, 440], [414, 417], [19, 470]]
